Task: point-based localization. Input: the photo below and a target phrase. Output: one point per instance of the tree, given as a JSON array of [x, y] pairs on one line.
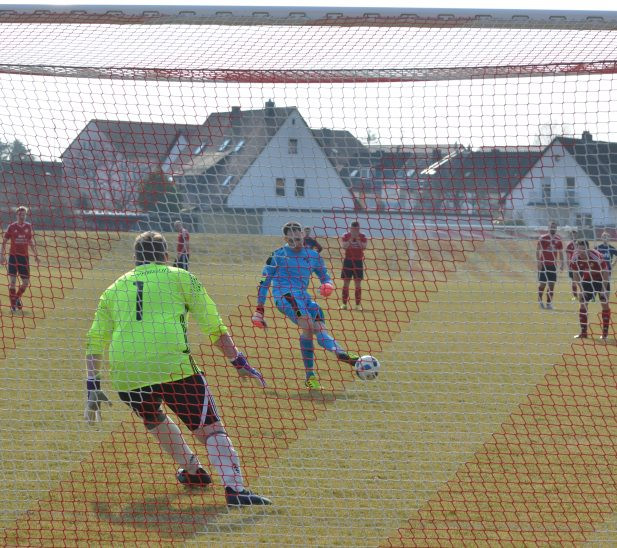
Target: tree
[[14, 152], [158, 193]]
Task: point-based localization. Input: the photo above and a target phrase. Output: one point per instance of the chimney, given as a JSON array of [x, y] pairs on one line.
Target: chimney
[[270, 113], [234, 119], [587, 137]]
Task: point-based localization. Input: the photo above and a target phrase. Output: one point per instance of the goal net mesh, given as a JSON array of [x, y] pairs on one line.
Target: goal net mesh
[[453, 140]]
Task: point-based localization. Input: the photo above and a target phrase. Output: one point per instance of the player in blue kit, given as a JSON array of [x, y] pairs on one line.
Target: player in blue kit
[[288, 270]]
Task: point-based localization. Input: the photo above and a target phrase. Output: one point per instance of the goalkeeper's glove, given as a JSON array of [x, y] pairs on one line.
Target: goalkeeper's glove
[[258, 317], [326, 289], [96, 397], [245, 370]]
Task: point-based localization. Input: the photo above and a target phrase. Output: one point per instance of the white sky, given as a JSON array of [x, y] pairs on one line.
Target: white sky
[[47, 113]]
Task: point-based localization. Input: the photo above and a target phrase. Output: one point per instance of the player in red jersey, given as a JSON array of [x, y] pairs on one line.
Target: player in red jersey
[[354, 243], [21, 236], [548, 251], [570, 249], [182, 248], [592, 274]]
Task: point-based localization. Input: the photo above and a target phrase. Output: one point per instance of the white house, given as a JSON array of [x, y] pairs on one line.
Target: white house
[[266, 159], [574, 182]]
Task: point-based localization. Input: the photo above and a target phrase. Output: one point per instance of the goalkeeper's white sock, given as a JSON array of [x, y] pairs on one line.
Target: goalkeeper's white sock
[[224, 458], [171, 440]]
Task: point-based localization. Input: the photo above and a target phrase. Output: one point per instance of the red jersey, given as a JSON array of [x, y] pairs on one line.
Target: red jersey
[[570, 248], [549, 246], [183, 242], [20, 235], [589, 269], [355, 251]]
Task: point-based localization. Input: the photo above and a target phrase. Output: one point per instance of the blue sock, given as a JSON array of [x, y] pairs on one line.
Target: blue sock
[[327, 341], [307, 348]]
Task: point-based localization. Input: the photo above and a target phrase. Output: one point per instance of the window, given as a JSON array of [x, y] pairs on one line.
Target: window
[[300, 188], [570, 187], [227, 180], [584, 220], [293, 146], [199, 149], [546, 190], [280, 187], [224, 145], [239, 146]]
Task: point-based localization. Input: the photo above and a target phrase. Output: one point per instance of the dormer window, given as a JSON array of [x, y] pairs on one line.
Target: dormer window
[[354, 173], [224, 145], [227, 180], [239, 146], [200, 148]]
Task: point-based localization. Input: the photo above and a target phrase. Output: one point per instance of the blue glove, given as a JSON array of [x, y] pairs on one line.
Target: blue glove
[[245, 370]]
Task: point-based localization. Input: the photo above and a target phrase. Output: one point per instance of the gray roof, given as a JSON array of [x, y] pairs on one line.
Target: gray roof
[[236, 139], [484, 171], [598, 159], [141, 141], [346, 153]]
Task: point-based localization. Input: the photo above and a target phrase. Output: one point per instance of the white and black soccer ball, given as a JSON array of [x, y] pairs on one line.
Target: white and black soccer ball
[[367, 368]]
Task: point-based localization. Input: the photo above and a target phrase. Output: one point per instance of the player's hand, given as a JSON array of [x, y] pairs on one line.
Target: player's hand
[[96, 398], [325, 290], [258, 318], [245, 370]]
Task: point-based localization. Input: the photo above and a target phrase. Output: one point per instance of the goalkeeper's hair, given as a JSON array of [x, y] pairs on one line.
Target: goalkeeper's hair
[[150, 247]]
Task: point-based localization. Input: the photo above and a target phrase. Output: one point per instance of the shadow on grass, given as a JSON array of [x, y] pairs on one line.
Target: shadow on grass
[[164, 516]]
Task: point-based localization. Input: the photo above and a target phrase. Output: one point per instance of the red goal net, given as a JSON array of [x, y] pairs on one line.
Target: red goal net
[[453, 176]]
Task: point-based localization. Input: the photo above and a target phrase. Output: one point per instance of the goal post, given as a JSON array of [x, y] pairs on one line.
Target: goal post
[[425, 154]]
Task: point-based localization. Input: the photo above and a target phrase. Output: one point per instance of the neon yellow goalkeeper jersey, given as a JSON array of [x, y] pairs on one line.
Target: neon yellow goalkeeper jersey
[[142, 318]]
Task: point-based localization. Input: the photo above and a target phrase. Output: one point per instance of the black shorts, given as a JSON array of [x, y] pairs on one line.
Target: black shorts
[[189, 398], [593, 288], [352, 268], [548, 273], [571, 274], [182, 261], [18, 264]]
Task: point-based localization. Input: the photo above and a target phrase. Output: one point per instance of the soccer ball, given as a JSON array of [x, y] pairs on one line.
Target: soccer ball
[[367, 368]]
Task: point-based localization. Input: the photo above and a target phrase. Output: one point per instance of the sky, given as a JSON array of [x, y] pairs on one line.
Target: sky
[[46, 113]]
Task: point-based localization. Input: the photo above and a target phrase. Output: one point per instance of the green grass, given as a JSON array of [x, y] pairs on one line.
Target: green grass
[[347, 467]]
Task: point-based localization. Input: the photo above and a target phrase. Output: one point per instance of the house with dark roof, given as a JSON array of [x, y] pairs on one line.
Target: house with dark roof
[[574, 182], [108, 161], [268, 160], [473, 182]]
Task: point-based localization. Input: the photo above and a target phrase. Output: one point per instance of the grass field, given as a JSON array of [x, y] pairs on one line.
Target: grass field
[[486, 424]]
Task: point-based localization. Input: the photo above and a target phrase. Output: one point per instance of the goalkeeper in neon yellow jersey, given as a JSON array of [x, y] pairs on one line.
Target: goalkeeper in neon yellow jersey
[[142, 320]]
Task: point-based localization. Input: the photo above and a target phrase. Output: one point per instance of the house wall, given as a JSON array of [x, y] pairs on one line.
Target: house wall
[[323, 187], [554, 166]]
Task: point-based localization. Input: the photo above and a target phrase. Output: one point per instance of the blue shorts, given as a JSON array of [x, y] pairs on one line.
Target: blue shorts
[[296, 307]]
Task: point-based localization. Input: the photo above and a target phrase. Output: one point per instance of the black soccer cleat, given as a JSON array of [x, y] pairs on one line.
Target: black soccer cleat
[[18, 304], [201, 478], [348, 357], [244, 498]]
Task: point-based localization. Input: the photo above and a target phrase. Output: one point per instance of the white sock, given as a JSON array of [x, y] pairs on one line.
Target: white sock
[[171, 440], [224, 458]]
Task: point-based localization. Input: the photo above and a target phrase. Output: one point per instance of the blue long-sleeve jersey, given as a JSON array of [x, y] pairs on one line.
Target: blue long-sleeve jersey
[[289, 271]]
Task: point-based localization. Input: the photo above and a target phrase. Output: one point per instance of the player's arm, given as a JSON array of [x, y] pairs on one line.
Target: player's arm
[[539, 255], [363, 242], [98, 338], [267, 274], [35, 250], [319, 268], [318, 246], [345, 241], [209, 320], [561, 258]]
